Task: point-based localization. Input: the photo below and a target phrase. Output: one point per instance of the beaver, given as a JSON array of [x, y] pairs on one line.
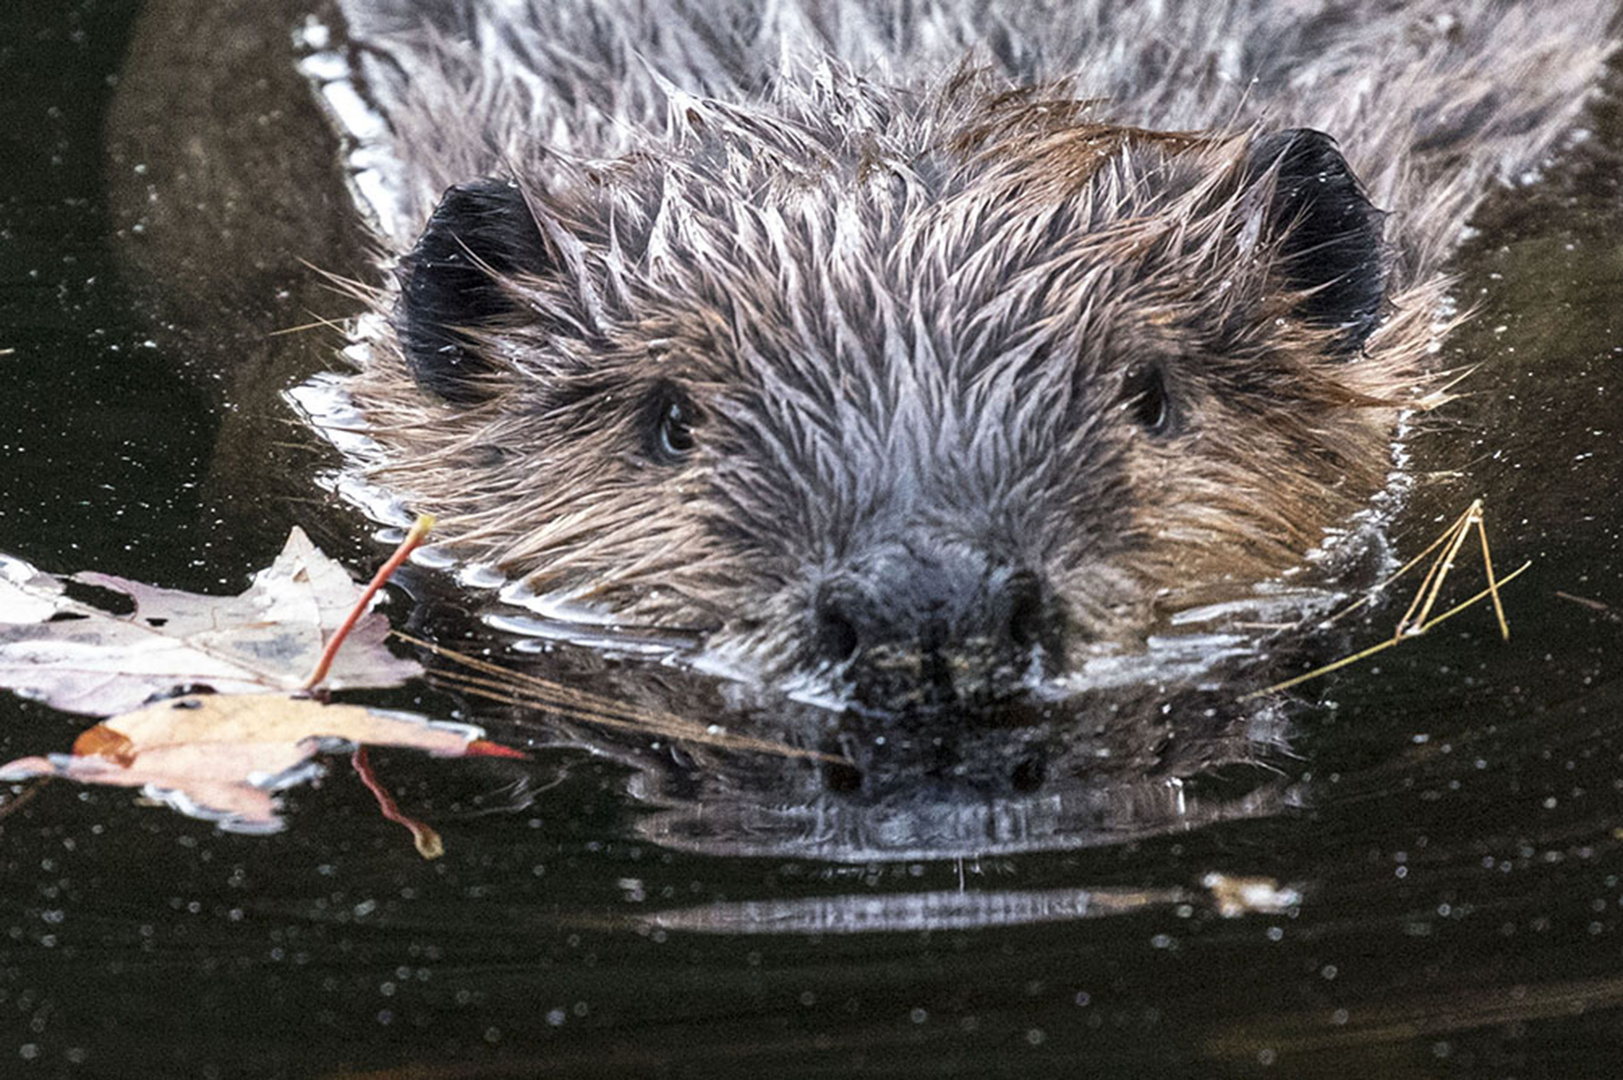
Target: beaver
[[921, 350]]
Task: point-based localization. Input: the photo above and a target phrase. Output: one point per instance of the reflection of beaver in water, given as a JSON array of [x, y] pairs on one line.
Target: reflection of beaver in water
[[786, 326]]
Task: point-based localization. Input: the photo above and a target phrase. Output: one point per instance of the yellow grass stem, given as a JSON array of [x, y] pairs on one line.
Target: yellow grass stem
[[497, 683], [1336, 665]]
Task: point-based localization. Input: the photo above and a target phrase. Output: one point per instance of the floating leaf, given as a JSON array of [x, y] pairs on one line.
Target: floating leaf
[[79, 658], [1235, 895], [223, 756]]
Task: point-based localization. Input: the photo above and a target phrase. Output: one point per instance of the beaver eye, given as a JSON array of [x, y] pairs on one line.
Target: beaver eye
[[673, 417], [1144, 397]]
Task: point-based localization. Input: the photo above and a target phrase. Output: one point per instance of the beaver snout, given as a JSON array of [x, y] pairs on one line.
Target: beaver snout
[[934, 623]]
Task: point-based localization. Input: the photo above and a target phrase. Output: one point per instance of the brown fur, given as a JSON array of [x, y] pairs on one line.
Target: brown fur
[[902, 319]]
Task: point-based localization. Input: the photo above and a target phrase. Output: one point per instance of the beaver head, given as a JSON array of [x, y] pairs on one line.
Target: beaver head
[[921, 394]]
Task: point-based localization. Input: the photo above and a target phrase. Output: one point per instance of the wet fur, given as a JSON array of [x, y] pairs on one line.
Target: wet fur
[[904, 263]]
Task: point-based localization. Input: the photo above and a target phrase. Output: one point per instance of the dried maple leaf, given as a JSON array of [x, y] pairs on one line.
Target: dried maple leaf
[[80, 658], [222, 757]]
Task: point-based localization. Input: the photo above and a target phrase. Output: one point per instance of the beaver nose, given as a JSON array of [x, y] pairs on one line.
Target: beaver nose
[[909, 622]]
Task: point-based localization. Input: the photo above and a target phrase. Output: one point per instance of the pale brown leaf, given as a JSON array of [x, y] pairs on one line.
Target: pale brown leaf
[[222, 756], [79, 658]]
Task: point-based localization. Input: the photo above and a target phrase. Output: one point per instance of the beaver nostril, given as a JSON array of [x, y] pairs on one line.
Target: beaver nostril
[[1027, 612], [1028, 774], [842, 777], [837, 637]]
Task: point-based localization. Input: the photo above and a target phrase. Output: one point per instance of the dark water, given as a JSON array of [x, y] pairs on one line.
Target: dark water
[[1451, 813]]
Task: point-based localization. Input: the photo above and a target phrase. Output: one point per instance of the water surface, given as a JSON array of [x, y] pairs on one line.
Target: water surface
[[1448, 813]]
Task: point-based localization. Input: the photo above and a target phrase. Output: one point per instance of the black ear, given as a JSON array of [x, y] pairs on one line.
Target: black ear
[[446, 287], [1329, 232]]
